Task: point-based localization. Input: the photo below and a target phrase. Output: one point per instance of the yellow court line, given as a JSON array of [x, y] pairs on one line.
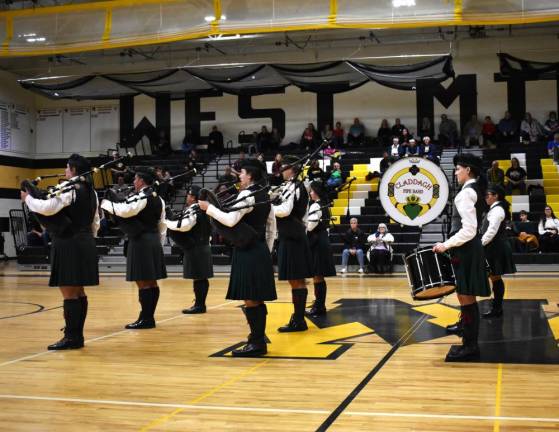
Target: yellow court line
[[498, 391], [161, 420]]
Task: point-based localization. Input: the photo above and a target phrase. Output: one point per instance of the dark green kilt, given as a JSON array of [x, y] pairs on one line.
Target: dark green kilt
[[252, 274], [470, 269], [322, 256], [499, 257], [294, 259], [197, 263], [74, 261], [144, 258]]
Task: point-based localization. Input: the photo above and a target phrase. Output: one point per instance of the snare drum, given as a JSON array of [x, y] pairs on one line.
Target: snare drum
[[430, 275]]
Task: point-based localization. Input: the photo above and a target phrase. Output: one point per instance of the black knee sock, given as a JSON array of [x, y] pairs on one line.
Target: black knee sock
[[498, 294], [251, 314], [84, 304], [201, 292], [73, 318], [470, 323], [320, 293], [299, 297], [154, 299]]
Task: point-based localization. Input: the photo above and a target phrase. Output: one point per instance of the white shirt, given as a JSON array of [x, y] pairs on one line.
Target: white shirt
[[495, 216], [51, 206], [314, 219], [550, 223], [187, 223], [465, 203], [288, 194], [130, 209], [382, 241], [232, 218]]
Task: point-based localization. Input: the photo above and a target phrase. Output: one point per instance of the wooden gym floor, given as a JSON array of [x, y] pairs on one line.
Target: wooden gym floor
[[376, 363]]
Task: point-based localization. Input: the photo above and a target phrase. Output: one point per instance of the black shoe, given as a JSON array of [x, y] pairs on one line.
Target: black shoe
[[195, 310], [250, 350], [455, 328], [315, 311], [460, 353], [493, 313], [66, 343], [141, 324], [294, 326]]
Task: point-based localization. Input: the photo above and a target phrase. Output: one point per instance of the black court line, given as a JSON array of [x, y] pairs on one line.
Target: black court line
[[355, 392], [40, 308]]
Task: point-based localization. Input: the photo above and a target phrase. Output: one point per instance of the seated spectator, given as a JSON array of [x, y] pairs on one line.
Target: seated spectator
[[489, 132], [356, 134], [402, 149], [448, 132], [330, 150], [524, 234], [338, 135], [327, 134], [263, 140], [276, 178], [37, 235], [412, 148], [385, 162], [380, 250], [315, 172], [395, 148], [354, 245], [425, 129], [397, 128], [193, 161], [548, 229], [472, 132], [236, 168], [335, 178], [189, 142], [275, 139], [308, 139], [260, 158], [384, 133], [215, 141], [429, 150], [516, 178], [553, 147], [507, 128], [163, 145], [496, 175], [551, 125], [405, 136], [227, 178], [530, 129]]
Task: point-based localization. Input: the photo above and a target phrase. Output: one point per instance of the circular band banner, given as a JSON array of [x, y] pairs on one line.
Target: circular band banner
[[413, 191]]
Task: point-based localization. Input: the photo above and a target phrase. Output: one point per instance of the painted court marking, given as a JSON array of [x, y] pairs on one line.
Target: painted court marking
[[277, 410], [42, 353]]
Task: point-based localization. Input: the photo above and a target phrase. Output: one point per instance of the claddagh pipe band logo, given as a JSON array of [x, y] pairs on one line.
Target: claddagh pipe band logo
[[413, 191]]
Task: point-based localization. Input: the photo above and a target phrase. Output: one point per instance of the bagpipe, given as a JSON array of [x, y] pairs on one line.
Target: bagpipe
[[241, 235]]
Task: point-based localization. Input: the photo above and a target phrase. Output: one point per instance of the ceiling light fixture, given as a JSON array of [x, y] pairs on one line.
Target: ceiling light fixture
[[210, 18], [400, 3]]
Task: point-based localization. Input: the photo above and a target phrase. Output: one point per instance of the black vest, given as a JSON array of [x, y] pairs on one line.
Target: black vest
[[501, 232], [202, 230], [292, 226], [151, 214], [456, 221], [258, 217], [82, 209]]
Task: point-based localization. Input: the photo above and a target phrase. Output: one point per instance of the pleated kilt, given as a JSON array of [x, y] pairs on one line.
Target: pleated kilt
[[144, 259], [294, 259], [74, 261], [252, 274], [322, 256], [470, 269], [499, 257], [198, 263]]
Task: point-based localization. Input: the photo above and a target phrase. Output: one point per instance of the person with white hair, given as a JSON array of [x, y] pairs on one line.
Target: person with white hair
[[428, 150], [394, 151], [380, 251]]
